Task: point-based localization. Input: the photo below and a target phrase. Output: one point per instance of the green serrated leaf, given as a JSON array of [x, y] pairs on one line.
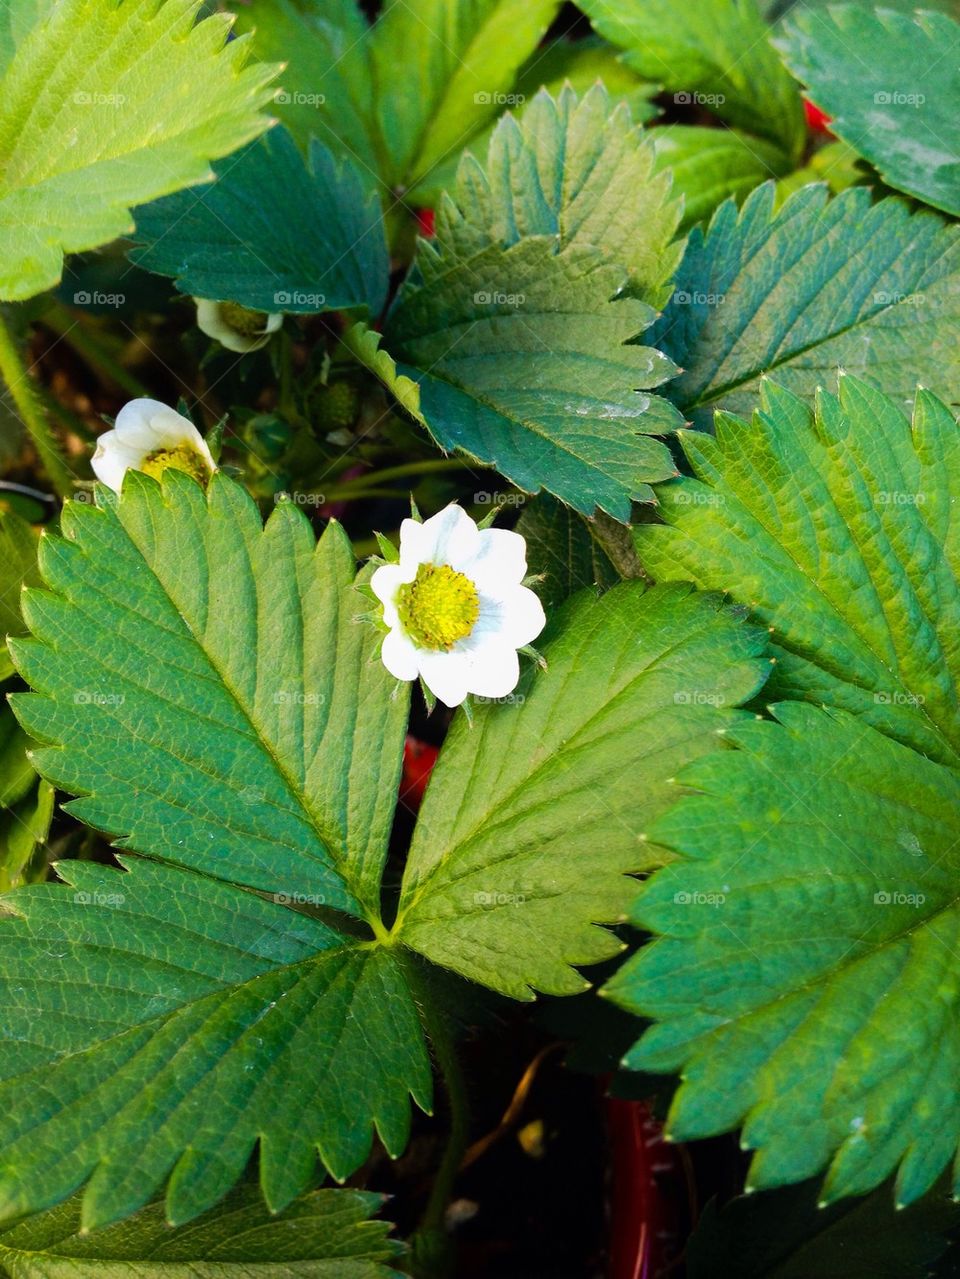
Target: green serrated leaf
[[214, 724], [218, 707], [716, 53], [507, 325], [321, 247], [853, 553], [889, 83], [106, 105], [806, 976], [327, 1234], [710, 165], [577, 63], [872, 288], [536, 813], [192, 990]]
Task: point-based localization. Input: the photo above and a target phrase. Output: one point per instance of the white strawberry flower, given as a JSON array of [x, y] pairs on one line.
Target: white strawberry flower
[[150, 436], [456, 607], [234, 326]]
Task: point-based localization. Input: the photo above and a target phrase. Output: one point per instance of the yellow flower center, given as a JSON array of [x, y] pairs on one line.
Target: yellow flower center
[[250, 324], [182, 458], [439, 607]]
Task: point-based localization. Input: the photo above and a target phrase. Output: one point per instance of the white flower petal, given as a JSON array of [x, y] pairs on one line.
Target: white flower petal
[[111, 461], [516, 616], [494, 669], [142, 427], [447, 675], [449, 537], [500, 561], [210, 320], [149, 425], [385, 583], [400, 656]]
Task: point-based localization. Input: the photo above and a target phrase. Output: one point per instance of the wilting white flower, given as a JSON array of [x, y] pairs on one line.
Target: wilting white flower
[[456, 607], [150, 436], [234, 326]]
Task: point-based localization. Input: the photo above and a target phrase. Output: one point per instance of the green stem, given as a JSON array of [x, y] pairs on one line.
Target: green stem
[[431, 1243], [21, 390], [351, 490]]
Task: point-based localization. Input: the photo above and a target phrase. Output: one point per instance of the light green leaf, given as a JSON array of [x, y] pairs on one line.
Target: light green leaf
[[322, 247], [217, 723], [219, 707], [806, 978], [24, 829], [872, 288], [16, 19], [327, 1234], [716, 54], [853, 550], [327, 83], [192, 990], [535, 814], [889, 83], [107, 105], [709, 165], [459, 60], [507, 324]]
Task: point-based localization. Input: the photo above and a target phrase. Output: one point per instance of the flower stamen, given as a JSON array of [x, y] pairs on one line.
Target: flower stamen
[[182, 458], [439, 607]]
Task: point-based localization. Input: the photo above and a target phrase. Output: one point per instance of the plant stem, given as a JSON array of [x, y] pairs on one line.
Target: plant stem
[[431, 1243], [15, 375]]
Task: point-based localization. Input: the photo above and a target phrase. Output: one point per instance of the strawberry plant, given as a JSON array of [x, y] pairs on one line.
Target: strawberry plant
[[479, 586]]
